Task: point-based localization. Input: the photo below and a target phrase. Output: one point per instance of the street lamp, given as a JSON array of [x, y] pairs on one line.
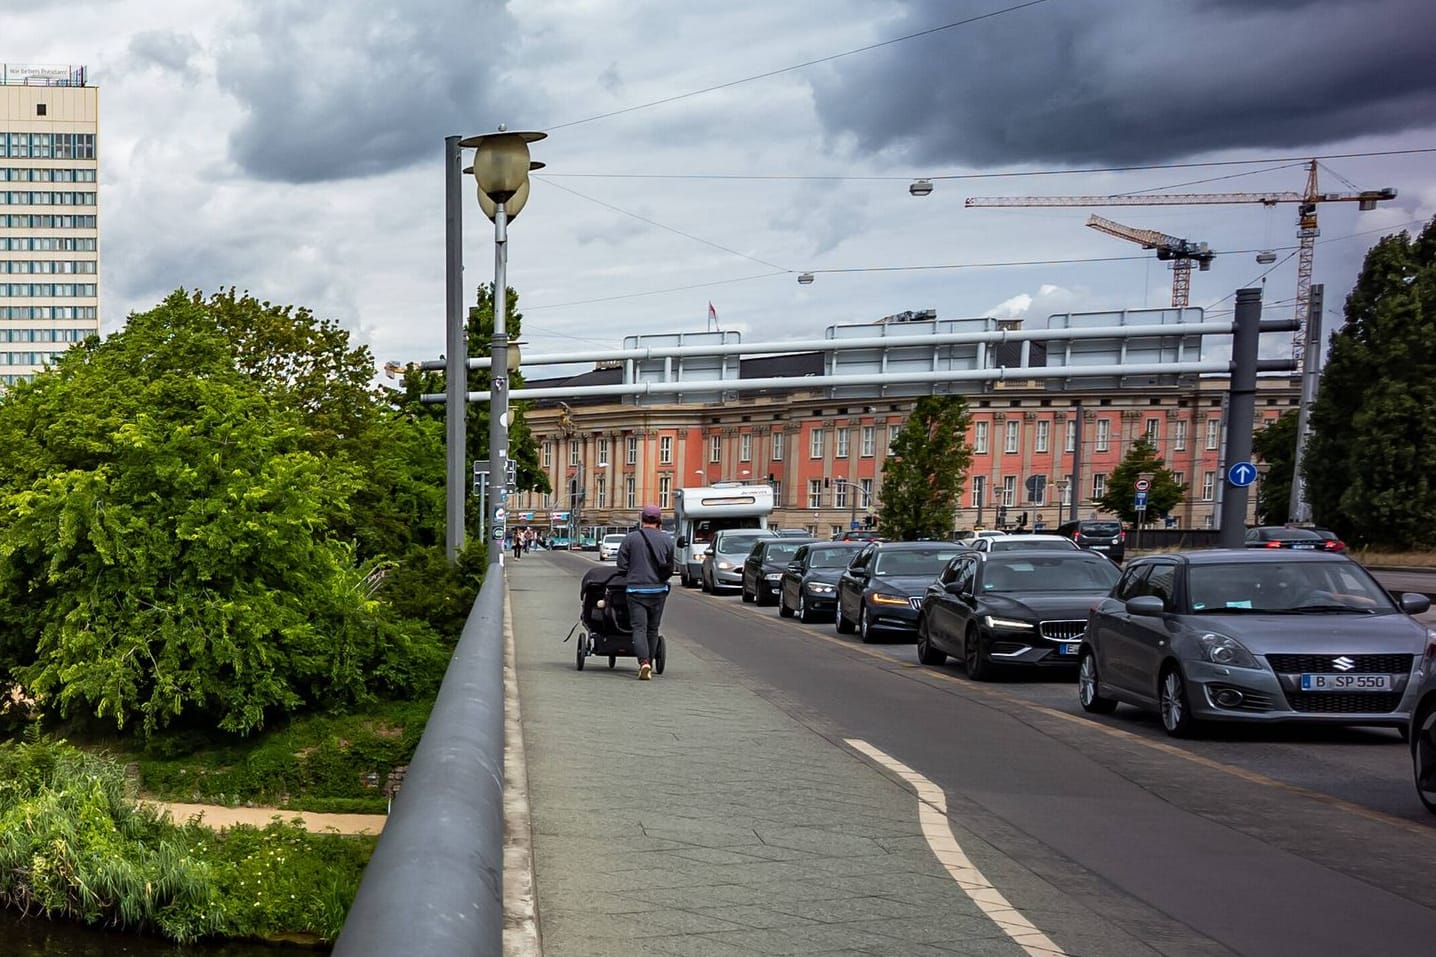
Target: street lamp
[[853, 510], [501, 167]]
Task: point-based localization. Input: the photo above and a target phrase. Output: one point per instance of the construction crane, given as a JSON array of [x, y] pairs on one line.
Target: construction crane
[[1168, 248], [1306, 229]]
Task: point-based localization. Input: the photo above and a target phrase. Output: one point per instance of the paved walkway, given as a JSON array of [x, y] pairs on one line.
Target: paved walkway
[[218, 816], [691, 816]]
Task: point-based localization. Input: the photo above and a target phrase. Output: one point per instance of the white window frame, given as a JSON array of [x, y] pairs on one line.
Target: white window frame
[[979, 438], [1104, 435], [665, 491], [841, 437], [547, 456], [665, 450], [1154, 432], [1012, 432], [1214, 433], [815, 444], [1099, 485], [1009, 490], [603, 449], [869, 442], [979, 486], [745, 447], [630, 492], [573, 452], [632, 450], [1179, 435], [1039, 441], [1069, 442], [840, 495], [815, 493], [778, 443], [1209, 486], [715, 449], [867, 486]]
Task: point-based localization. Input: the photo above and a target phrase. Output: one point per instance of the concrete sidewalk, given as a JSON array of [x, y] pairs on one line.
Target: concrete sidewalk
[[690, 816]]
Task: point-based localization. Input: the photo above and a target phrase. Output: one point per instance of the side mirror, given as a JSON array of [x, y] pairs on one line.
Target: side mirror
[[681, 542], [1415, 603], [1146, 605], [795, 567], [953, 588]]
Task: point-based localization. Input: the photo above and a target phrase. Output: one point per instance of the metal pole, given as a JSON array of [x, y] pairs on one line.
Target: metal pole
[[499, 390], [1299, 510], [456, 366], [1241, 409], [1077, 463]]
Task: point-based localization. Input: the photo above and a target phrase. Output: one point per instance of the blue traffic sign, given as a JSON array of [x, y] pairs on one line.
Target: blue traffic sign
[[1242, 474], [1141, 503]]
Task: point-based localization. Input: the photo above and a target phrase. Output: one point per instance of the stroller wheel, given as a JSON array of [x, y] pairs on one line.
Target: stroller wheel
[[612, 661], [582, 652], [660, 657]]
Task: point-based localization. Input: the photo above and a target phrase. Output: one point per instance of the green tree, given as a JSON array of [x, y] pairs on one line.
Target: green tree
[[1371, 458], [167, 542], [1163, 495], [1275, 444], [923, 478]]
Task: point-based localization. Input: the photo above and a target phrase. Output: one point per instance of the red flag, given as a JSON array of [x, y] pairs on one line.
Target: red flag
[[713, 315]]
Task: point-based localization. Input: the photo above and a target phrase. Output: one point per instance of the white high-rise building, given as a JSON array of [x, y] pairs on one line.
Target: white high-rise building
[[49, 215]]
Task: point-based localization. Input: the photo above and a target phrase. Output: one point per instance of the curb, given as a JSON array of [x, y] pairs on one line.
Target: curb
[[521, 928]]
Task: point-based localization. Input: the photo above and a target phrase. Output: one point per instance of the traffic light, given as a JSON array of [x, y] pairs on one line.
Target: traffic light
[[1023, 520], [1002, 514]]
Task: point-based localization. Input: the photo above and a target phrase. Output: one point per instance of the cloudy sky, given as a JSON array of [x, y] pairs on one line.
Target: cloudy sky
[[700, 153]]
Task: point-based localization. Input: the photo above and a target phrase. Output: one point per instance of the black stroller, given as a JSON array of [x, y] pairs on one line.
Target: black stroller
[[603, 628]]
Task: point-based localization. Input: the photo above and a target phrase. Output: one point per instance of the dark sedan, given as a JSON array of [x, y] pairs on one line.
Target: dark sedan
[[1019, 608], [1286, 536], [882, 589], [809, 586], [1256, 636], [764, 567]]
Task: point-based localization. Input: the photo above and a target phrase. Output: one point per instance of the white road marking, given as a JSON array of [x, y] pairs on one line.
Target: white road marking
[[932, 815]]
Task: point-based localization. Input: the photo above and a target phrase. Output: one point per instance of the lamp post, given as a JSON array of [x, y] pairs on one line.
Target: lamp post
[[1062, 485], [501, 167]]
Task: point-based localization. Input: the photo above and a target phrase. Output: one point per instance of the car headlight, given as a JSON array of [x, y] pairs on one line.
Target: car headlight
[[819, 588], [881, 599], [1225, 650], [776, 576], [724, 566], [1011, 624]]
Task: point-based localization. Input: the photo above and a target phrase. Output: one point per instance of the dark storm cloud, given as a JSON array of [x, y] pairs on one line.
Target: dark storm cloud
[[1116, 81], [331, 91]]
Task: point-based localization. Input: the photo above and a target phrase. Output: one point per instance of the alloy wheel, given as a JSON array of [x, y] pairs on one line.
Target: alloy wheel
[[1423, 755], [1172, 703]]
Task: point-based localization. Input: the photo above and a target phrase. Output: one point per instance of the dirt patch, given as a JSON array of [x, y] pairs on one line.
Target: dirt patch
[[219, 817]]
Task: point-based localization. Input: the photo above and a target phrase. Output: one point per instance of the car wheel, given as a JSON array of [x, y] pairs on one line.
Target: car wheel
[[804, 614], [976, 663], [1423, 754], [844, 626], [865, 631], [704, 585], [765, 596], [926, 653], [748, 596], [1172, 703], [1087, 683]]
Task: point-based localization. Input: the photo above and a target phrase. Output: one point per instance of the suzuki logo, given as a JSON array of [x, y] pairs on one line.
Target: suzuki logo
[[1343, 664]]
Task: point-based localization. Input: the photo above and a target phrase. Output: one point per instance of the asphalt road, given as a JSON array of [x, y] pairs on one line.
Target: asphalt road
[[1245, 841]]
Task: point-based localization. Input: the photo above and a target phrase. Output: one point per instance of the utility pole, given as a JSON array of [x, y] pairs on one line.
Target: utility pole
[[1299, 510], [1241, 408]]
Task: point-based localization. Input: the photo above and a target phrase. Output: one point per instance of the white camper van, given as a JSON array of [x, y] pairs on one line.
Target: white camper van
[[701, 511]]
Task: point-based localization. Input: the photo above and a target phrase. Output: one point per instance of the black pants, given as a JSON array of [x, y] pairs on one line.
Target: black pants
[[644, 614]]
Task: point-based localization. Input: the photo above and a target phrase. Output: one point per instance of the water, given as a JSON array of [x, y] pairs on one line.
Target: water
[[36, 937]]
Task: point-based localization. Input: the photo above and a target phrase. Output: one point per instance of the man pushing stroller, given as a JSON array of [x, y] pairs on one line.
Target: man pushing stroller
[[645, 559]]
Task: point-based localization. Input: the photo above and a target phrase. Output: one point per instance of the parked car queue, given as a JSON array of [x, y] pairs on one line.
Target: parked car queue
[[1256, 635]]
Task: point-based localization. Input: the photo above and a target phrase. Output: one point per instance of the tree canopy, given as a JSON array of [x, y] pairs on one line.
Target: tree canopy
[[924, 474], [1371, 458], [1275, 445], [190, 533], [1163, 495]]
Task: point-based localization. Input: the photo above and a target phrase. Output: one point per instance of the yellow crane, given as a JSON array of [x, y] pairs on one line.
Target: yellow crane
[[1306, 228], [1180, 251]]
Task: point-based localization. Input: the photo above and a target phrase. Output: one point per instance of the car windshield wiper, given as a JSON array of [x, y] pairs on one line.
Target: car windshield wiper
[[1233, 610], [1330, 610]]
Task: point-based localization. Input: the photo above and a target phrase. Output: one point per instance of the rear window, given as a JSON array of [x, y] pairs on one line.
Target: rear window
[[1101, 528], [1290, 535]]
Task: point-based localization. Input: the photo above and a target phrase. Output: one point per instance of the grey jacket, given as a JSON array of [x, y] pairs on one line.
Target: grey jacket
[[636, 564]]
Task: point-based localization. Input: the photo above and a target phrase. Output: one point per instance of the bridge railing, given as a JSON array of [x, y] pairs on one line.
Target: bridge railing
[[435, 883]]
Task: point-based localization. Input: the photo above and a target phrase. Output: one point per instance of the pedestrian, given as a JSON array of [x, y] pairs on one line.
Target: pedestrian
[[518, 544], [645, 560]]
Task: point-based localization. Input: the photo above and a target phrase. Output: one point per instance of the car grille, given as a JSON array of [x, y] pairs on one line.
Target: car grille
[[916, 603], [1338, 703], [1324, 665], [1062, 630]]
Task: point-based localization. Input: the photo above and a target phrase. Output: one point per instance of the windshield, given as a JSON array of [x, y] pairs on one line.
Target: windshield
[[831, 557], [782, 552], [1101, 528], [924, 561], [737, 544], [613, 539], [1285, 588], [1076, 573]]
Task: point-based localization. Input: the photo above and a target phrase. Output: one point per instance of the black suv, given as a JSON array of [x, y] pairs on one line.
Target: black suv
[[1103, 535]]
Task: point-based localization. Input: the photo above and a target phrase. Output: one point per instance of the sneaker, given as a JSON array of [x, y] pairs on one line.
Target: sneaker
[[645, 672]]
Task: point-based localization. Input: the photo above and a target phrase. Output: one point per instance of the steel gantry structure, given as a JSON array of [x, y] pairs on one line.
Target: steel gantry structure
[[1182, 252], [1306, 227]]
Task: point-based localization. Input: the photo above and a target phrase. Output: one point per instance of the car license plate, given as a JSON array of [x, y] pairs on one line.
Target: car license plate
[[1345, 682], [1308, 547], [1068, 648], [1100, 548]]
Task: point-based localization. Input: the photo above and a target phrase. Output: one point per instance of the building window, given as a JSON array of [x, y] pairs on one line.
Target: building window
[[1180, 478], [1209, 486], [869, 442], [745, 447], [603, 451], [573, 452], [777, 455], [840, 495], [979, 485], [665, 490], [892, 437], [1039, 443], [715, 448], [1214, 431], [1104, 435], [1039, 485], [777, 491], [979, 438], [1066, 493], [630, 493], [665, 450], [867, 486], [632, 450], [1009, 490], [601, 490], [815, 493], [1179, 435], [815, 444], [547, 456], [1070, 443], [1009, 443], [1099, 485], [840, 443], [1152, 426]]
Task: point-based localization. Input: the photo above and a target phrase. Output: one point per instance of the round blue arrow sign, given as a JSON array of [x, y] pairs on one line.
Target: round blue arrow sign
[[1242, 474]]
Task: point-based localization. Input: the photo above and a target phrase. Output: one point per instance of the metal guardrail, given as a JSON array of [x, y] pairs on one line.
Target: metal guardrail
[[434, 886]]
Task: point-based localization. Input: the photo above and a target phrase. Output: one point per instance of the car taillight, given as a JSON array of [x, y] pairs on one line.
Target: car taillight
[[1332, 545], [1122, 536], [1272, 545]]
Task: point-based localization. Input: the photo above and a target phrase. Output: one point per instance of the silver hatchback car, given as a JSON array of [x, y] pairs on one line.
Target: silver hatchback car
[[1253, 635]]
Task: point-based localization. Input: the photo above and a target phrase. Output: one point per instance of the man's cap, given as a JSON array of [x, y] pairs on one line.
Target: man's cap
[[651, 513]]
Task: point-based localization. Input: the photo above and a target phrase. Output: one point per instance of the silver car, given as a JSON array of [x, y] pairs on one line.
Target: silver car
[[1423, 728], [1256, 636], [608, 546]]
